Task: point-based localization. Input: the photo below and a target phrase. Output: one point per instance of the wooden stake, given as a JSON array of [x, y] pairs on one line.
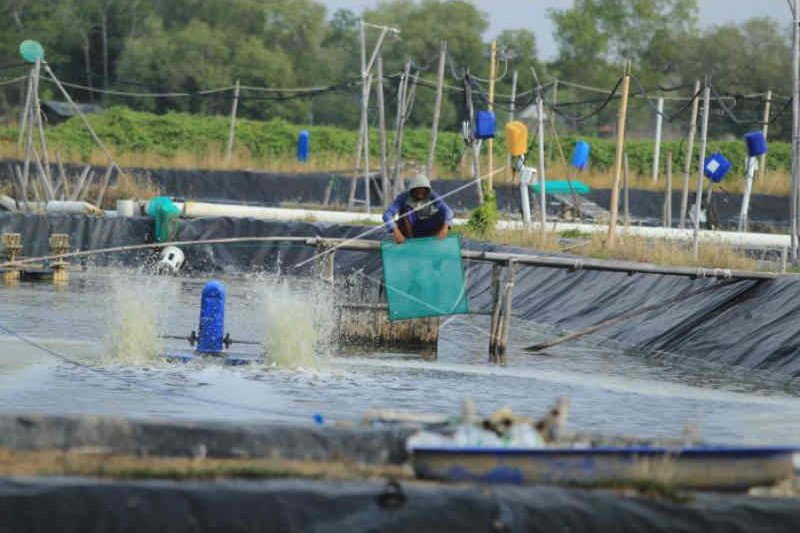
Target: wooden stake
[[687, 168], [437, 109], [657, 148], [63, 185], [762, 169], [542, 176], [623, 113], [385, 187], [26, 110], [232, 127], [702, 161], [79, 187], [511, 108], [497, 298], [106, 180], [400, 123], [473, 143], [505, 326], [667, 210], [626, 193], [492, 72]]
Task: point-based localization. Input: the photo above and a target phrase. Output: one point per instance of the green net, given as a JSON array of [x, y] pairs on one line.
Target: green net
[[424, 278], [163, 211]]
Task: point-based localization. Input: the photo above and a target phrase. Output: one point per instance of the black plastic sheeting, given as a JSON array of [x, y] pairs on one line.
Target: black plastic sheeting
[[81, 505], [218, 439], [746, 325], [275, 188]]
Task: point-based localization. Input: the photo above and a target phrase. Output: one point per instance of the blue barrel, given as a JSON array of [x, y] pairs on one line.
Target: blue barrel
[[756, 143], [303, 146], [716, 167], [485, 125], [580, 156], [212, 318]]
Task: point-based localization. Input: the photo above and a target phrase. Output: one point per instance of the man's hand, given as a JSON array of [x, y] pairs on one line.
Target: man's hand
[[442, 233], [399, 238]]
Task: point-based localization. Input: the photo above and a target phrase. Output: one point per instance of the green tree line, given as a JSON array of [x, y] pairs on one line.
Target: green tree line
[[195, 45]]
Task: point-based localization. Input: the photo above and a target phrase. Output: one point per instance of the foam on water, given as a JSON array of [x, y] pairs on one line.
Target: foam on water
[[133, 322], [299, 325]]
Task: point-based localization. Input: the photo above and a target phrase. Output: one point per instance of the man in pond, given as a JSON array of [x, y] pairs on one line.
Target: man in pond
[[418, 212]]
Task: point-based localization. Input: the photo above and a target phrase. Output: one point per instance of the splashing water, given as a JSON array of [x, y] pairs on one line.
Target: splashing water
[[133, 323], [299, 325]]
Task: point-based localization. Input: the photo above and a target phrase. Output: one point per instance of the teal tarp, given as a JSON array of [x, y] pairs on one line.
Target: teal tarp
[[562, 187], [424, 278]]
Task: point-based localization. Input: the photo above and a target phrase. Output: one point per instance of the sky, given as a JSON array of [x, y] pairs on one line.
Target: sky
[[532, 14]]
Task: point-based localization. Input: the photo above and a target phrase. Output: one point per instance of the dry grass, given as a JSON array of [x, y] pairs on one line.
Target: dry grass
[[628, 248], [59, 463]]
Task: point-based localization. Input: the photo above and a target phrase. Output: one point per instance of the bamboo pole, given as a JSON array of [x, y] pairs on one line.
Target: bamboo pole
[[542, 177], [400, 126], [702, 161], [387, 194], [765, 129], [474, 144], [795, 124], [497, 298], [512, 109], [232, 127], [687, 168], [437, 109], [623, 113], [626, 198], [492, 73], [367, 177], [657, 147]]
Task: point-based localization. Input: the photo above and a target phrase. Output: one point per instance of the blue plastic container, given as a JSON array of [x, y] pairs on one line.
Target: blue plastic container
[[580, 157], [716, 167], [212, 318], [303, 146], [756, 143], [485, 125]]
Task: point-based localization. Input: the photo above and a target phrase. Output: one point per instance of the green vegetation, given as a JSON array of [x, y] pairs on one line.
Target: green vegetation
[[483, 218], [135, 132], [192, 46]]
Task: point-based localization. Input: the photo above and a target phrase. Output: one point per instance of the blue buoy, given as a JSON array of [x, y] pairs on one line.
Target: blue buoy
[[716, 167], [580, 157], [303, 146], [212, 318], [756, 143], [485, 125]]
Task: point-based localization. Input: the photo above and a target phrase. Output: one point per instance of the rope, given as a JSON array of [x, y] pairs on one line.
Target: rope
[[132, 382]]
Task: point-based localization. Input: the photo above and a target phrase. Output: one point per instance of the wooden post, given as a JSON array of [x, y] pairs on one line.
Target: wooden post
[[44, 164], [26, 165], [492, 73], [687, 168], [542, 177], [512, 108], [387, 193], [232, 128], [400, 126], [702, 161], [657, 147], [63, 187], [437, 109], [497, 298], [505, 325], [104, 186], [762, 168], [667, 211], [367, 177], [623, 114], [26, 110], [626, 200], [474, 144]]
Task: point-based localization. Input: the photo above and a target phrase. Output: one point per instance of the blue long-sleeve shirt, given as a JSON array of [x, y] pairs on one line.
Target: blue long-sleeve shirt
[[401, 202]]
